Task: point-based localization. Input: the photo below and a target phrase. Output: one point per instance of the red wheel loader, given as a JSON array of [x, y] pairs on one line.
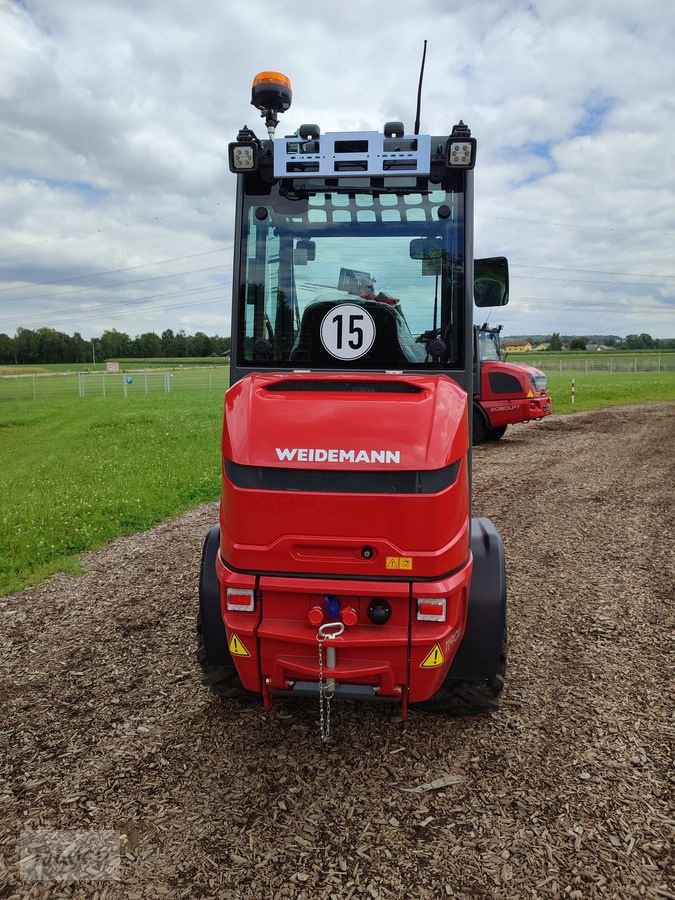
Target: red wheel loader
[[346, 562], [504, 393]]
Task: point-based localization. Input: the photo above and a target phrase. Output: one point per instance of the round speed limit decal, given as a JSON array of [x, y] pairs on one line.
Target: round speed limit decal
[[347, 331]]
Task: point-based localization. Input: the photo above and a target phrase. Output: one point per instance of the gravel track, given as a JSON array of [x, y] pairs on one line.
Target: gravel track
[[566, 792]]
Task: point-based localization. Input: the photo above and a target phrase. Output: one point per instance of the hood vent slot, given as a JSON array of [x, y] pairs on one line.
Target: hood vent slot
[[341, 481], [339, 387]]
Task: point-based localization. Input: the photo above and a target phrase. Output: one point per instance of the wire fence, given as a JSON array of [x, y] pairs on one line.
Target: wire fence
[[600, 363], [110, 385], [49, 385]]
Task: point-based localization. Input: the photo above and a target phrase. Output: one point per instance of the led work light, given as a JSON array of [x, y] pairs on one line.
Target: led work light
[[243, 157], [460, 150]]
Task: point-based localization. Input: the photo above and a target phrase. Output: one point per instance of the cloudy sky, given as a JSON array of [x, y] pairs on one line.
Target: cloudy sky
[[116, 203]]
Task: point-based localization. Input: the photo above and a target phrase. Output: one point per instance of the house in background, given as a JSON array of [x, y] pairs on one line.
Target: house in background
[[516, 346], [545, 346]]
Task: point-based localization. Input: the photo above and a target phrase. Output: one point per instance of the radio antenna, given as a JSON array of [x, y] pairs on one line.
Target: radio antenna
[[419, 91]]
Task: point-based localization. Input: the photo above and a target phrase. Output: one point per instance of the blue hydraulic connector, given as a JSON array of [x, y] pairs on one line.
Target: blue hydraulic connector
[[332, 606]]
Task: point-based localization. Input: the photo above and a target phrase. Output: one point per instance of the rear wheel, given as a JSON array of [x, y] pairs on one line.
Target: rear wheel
[[218, 669], [475, 681], [221, 680], [460, 697], [494, 434], [481, 427]]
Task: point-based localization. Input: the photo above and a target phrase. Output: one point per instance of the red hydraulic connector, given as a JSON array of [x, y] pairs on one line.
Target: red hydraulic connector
[[349, 616], [315, 616]]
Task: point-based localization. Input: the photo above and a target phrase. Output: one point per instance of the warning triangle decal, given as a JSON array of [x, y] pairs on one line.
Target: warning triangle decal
[[433, 659], [236, 646]]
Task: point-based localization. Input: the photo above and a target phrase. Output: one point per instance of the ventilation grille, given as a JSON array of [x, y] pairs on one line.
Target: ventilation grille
[[337, 387], [340, 481]]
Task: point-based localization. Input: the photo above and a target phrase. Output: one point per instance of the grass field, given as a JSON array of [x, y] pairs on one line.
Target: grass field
[[598, 389], [77, 472]]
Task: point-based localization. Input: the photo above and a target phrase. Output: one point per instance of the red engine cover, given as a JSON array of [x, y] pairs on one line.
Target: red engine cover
[[517, 400], [287, 429]]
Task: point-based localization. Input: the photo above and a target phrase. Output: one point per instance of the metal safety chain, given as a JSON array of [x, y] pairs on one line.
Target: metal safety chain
[[326, 632]]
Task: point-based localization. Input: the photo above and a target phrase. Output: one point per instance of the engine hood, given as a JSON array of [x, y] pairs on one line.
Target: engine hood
[[359, 421], [529, 369]]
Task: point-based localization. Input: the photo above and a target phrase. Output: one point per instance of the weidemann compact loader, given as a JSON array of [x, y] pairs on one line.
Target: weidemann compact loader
[[346, 562]]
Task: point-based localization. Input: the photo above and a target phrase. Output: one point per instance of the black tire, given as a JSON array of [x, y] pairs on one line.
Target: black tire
[[457, 697], [475, 681], [219, 673], [494, 434], [481, 427]]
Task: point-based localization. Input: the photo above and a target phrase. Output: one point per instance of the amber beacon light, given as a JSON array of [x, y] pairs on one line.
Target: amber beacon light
[[271, 93]]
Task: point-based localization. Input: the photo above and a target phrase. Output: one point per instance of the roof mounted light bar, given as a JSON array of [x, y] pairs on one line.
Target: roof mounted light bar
[[354, 153]]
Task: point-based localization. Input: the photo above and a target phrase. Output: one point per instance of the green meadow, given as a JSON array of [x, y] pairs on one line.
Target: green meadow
[[594, 390], [76, 472]]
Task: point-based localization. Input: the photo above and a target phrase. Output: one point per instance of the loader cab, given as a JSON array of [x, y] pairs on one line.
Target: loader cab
[[488, 343], [354, 253]]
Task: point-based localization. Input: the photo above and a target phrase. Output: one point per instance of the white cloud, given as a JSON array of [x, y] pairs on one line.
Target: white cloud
[[116, 119]]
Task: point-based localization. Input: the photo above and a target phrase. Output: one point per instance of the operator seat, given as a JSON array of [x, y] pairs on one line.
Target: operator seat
[[386, 351]]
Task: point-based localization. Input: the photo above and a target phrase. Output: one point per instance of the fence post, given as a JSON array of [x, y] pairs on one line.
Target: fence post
[[34, 377], [145, 378], [573, 382], [561, 365], [125, 389], [103, 382], [658, 368], [635, 366], [210, 380], [611, 366]]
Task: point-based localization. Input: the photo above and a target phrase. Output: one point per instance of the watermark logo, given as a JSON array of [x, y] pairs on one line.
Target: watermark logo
[[48, 854]]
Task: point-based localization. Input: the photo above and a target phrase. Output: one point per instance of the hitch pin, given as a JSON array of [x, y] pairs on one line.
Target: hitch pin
[[327, 632]]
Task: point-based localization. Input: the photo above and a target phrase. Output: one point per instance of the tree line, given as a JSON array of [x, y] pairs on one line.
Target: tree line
[[46, 345], [642, 341]]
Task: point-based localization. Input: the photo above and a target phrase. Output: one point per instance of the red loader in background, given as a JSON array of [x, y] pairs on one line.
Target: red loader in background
[[504, 393]]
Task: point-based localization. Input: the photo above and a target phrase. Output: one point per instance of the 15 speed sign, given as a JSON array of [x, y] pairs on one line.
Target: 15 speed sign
[[347, 331]]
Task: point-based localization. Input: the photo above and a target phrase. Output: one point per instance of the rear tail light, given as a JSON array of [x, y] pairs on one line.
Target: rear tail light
[[431, 609], [240, 600]]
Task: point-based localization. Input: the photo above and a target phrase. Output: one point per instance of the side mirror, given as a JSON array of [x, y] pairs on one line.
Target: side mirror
[[304, 251], [425, 248], [491, 281]]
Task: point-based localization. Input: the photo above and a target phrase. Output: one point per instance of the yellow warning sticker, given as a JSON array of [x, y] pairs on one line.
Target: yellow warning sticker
[[433, 659], [399, 562], [236, 646], [531, 393]]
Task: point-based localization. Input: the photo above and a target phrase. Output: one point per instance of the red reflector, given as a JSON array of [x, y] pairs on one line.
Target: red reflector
[[430, 609], [240, 599]]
